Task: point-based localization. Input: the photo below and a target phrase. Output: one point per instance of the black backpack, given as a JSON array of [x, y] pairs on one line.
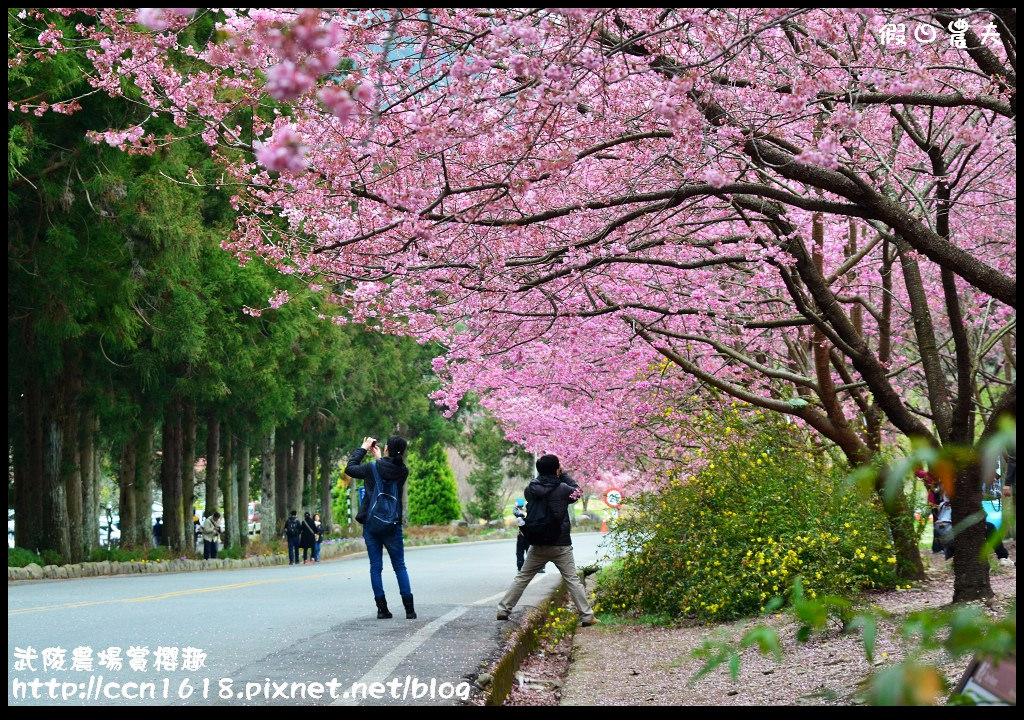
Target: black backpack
[[542, 527], [292, 527], [385, 509]]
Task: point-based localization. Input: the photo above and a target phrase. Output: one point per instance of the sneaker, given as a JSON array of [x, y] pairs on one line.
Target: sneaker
[[591, 621], [502, 616]]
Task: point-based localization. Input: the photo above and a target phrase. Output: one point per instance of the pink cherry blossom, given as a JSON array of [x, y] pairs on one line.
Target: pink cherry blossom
[[285, 151]]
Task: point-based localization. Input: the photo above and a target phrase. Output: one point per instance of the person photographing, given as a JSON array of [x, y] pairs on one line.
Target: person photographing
[[380, 514], [546, 528]]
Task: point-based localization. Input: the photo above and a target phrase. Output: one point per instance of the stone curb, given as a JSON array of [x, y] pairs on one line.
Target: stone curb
[[106, 568], [497, 680], [349, 546]]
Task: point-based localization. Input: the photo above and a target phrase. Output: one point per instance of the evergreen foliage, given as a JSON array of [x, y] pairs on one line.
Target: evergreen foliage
[[433, 495]]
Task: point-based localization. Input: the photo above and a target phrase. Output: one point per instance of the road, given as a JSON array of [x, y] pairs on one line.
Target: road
[[273, 635]]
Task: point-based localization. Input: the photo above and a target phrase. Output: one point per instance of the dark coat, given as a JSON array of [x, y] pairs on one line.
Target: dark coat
[[558, 491], [306, 540], [389, 470]]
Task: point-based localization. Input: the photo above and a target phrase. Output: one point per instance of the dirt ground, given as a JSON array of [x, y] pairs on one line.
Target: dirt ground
[[621, 664]]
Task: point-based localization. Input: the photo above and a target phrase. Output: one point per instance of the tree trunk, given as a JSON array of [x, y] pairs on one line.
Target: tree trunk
[[143, 531], [298, 475], [28, 521], [212, 462], [97, 478], [243, 491], [126, 501], [900, 517], [87, 454], [326, 516], [170, 477], [281, 446], [353, 501], [55, 506], [970, 570], [71, 460], [16, 451], [188, 474], [229, 491], [268, 489], [309, 478]]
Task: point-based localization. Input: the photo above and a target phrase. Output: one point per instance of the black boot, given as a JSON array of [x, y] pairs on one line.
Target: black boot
[[410, 611], [382, 608]]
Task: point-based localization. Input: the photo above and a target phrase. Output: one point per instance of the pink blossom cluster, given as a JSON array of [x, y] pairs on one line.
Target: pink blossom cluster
[[160, 19], [823, 154], [279, 298], [608, 216], [285, 151], [307, 50]]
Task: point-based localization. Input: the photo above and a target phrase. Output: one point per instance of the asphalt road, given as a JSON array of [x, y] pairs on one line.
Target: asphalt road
[[277, 635]]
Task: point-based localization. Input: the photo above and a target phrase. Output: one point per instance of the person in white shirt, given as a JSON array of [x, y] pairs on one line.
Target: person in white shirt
[[212, 528]]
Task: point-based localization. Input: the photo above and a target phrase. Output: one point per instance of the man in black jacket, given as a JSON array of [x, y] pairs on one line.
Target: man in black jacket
[[557, 490]]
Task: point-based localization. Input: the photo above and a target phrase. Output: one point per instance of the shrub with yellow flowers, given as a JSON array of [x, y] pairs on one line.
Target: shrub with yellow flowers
[[764, 508]]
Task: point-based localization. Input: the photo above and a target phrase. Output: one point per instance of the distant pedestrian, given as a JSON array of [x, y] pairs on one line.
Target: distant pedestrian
[[1010, 493], [381, 516], [935, 499], [197, 530], [211, 536], [293, 532], [318, 537], [158, 532], [522, 544], [547, 529], [307, 540]]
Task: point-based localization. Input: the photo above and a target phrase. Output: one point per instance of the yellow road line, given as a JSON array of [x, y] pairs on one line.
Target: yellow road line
[[179, 593]]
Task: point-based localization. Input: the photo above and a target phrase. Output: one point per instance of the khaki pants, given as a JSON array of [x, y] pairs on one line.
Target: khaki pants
[[562, 558]]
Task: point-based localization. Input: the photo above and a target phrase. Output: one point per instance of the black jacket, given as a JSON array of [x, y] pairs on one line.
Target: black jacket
[[307, 539], [389, 470], [558, 491]]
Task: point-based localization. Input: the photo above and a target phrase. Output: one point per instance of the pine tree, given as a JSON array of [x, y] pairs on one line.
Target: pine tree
[[433, 496]]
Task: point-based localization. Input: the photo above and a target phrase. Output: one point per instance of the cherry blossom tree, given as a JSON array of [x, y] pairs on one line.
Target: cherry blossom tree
[[811, 211]]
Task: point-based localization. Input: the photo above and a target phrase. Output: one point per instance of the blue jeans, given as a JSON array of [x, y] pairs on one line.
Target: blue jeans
[[396, 551], [293, 550], [316, 551]]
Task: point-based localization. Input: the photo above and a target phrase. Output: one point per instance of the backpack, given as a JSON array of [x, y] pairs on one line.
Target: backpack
[[292, 527], [385, 510], [541, 526]]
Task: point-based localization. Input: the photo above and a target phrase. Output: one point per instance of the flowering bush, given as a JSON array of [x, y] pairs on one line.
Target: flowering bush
[[763, 510], [560, 622]]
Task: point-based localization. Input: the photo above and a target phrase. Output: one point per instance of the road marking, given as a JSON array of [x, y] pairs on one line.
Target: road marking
[[387, 664], [179, 593], [492, 598], [385, 667]]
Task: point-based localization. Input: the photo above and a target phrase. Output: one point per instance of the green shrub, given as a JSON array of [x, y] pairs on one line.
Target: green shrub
[[119, 554], [433, 495], [236, 552], [766, 508], [159, 554], [20, 557], [52, 557]]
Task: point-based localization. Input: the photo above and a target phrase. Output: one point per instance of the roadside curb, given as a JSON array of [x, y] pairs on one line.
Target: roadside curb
[[521, 641], [106, 568], [346, 547]]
